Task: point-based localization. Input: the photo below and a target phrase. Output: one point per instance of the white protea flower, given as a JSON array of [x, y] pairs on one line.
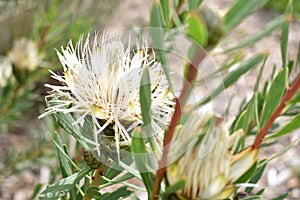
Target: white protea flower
[[25, 55], [205, 159], [102, 81], [5, 71]]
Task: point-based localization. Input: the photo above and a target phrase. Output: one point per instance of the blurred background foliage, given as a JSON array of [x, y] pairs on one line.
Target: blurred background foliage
[[46, 25], [279, 6], [51, 22]]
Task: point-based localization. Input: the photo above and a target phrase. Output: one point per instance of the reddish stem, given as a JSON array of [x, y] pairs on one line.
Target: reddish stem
[[290, 92], [177, 10], [192, 73], [95, 180]]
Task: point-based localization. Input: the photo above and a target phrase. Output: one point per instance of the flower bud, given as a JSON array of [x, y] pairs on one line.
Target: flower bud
[[203, 151], [5, 71], [24, 55]]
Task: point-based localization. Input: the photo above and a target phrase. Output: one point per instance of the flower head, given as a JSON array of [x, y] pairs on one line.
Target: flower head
[[207, 161], [101, 81], [5, 71], [24, 55]]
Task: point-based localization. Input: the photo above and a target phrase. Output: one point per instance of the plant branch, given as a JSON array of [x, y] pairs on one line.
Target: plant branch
[[290, 92], [177, 12], [95, 180], [191, 76]]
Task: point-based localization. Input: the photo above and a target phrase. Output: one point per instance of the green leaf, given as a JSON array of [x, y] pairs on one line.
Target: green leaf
[[194, 4], [121, 180], [281, 151], [145, 101], [62, 152], [254, 197], [243, 122], [281, 197], [245, 177], [284, 39], [65, 167], [156, 17], [266, 31], [165, 7], [66, 122], [257, 175], [284, 42], [196, 28], [120, 193], [240, 10], [297, 61], [295, 98], [110, 172], [226, 65], [145, 98], [93, 192], [288, 128], [258, 101], [260, 192], [157, 35], [63, 186], [36, 191], [141, 158], [262, 164], [274, 96], [246, 117], [173, 188], [233, 77]]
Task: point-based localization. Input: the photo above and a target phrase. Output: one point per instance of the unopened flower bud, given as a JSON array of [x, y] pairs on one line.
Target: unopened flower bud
[[204, 149], [24, 55], [5, 71]]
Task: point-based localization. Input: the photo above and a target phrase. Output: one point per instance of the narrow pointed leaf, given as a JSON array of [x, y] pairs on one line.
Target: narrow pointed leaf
[[141, 158], [246, 176], [281, 197], [257, 175], [288, 128], [274, 96], [156, 17], [111, 172], [266, 31], [165, 7], [295, 142], [120, 193], [284, 39], [194, 4], [254, 197], [60, 188], [65, 167], [173, 188], [36, 191], [66, 122], [157, 35], [245, 118], [240, 10], [260, 192], [145, 98], [234, 76], [121, 180], [63, 153], [93, 192]]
